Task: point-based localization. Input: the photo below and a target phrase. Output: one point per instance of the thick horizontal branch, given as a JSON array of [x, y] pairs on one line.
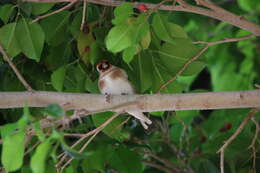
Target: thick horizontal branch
[[220, 14], [144, 103]]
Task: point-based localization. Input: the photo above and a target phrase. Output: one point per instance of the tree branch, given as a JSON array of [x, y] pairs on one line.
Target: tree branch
[[16, 71], [216, 13], [143, 103]]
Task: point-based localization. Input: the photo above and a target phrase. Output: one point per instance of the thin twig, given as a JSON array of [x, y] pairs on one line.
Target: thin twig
[[97, 130], [54, 12], [167, 163], [120, 125], [83, 15], [237, 132], [185, 66], [83, 137], [32, 148], [208, 44], [227, 40], [252, 146], [16, 71]]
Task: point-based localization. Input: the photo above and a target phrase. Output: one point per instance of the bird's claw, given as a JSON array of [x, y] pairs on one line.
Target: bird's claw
[[108, 97]]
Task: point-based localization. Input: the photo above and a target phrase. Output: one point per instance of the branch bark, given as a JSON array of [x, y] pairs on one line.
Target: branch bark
[[144, 103], [216, 13]]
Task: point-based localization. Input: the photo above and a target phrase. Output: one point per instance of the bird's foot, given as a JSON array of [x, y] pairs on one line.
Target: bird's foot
[[65, 122], [78, 113], [108, 97]]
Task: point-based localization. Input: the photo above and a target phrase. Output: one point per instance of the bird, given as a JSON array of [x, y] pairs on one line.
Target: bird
[[113, 81]]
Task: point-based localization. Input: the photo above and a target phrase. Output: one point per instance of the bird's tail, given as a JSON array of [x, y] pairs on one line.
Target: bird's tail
[[142, 118]]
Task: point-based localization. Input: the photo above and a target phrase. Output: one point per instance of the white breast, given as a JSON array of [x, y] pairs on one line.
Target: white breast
[[116, 86]]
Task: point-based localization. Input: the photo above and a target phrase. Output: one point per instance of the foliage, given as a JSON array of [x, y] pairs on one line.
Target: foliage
[[53, 54]]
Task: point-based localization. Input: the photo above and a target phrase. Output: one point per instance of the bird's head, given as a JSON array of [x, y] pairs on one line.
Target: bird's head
[[103, 66]]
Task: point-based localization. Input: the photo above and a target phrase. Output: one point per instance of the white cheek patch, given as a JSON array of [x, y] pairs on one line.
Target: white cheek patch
[[104, 66]]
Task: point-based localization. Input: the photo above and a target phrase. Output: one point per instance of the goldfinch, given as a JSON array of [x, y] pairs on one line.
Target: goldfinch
[[114, 80]]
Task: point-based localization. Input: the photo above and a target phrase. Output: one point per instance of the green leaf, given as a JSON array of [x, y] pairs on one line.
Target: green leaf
[[226, 69], [56, 28], [26, 8], [153, 74], [56, 136], [69, 169], [75, 79], [248, 5], [126, 161], [129, 53], [75, 154], [38, 159], [161, 76], [97, 160], [84, 43], [161, 28], [9, 40], [54, 110], [186, 116], [142, 27], [176, 31], [176, 132], [144, 65], [95, 53], [91, 86], [5, 12], [74, 26], [122, 12], [165, 30], [22, 123], [206, 166], [8, 129], [145, 42], [30, 38], [13, 136], [57, 78], [40, 8], [120, 37], [13, 151], [58, 56], [38, 131], [174, 55], [112, 129]]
